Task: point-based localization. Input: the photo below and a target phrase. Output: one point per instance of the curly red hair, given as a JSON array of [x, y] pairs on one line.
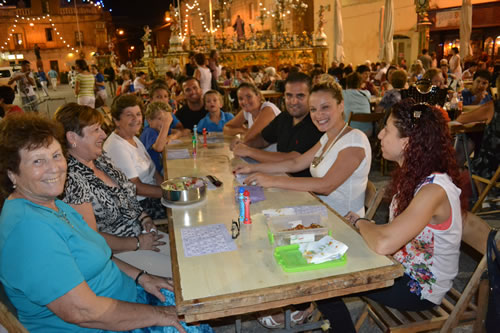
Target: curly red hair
[[429, 150]]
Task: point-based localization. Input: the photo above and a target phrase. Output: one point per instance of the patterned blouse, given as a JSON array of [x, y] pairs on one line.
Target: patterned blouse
[[116, 209]]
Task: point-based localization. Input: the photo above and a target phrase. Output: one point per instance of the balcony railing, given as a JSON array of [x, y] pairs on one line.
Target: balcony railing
[[11, 11]]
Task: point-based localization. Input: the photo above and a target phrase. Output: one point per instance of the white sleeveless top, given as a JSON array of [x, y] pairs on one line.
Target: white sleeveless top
[[350, 196], [249, 118], [205, 79], [138, 86], [431, 258]]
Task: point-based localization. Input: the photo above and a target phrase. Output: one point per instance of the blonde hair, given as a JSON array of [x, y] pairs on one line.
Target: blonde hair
[[213, 92], [154, 108], [332, 88]]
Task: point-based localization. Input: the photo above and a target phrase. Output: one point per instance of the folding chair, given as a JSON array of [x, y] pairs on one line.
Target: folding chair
[[370, 118], [455, 309], [490, 183], [372, 199]]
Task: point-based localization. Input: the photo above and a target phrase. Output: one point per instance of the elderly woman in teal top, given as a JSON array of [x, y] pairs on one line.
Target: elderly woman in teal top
[[56, 270], [356, 100]]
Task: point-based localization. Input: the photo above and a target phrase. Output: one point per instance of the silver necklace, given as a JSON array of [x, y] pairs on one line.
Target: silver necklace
[[318, 159], [61, 215]]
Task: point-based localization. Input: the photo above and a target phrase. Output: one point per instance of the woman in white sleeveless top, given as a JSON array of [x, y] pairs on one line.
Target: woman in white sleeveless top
[[425, 223], [202, 73], [255, 113], [339, 162]]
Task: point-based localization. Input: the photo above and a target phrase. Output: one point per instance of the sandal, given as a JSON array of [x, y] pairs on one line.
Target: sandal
[[277, 320]]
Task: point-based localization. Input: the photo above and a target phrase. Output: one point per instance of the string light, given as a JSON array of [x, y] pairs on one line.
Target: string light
[[31, 20]]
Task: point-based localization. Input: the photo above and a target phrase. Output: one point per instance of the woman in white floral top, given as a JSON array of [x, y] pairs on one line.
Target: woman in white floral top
[[425, 224]]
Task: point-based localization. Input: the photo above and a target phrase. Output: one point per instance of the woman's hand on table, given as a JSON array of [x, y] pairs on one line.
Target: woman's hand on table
[[234, 143], [351, 217], [148, 225], [241, 150], [154, 284], [242, 169], [260, 179], [150, 241]]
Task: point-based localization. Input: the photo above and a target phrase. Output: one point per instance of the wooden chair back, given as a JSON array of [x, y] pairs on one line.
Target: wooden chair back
[[365, 117], [490, 183], [9, 321], [372, 199], [456, 308]]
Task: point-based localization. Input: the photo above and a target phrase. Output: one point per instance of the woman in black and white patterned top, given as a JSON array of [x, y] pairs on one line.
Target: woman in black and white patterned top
[[99, 191]]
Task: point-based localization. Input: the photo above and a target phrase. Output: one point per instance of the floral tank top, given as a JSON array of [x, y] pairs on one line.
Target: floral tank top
[[431, 258]]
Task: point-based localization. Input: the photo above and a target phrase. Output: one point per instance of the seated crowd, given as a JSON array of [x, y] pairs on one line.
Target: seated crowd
[[79, 199]]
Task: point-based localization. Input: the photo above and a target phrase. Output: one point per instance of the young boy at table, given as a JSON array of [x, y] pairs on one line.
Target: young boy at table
[[156, 135], [216, 118]]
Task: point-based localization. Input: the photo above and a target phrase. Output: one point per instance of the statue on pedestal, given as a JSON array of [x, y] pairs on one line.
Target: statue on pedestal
[[148, 51], [175, 41], [320, 36]]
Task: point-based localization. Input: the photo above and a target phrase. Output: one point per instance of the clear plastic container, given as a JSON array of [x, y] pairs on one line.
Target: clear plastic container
[[279, 233]]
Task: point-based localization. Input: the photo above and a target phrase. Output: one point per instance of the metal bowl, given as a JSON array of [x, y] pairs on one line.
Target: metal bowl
[[183, 197]]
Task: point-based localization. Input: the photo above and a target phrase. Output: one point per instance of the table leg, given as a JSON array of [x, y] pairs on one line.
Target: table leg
[[288, 319]]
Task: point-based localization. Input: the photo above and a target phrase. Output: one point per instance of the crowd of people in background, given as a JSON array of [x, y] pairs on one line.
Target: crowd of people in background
[[109, 182]]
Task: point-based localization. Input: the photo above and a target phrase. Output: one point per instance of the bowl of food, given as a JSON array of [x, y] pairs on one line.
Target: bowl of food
[[184, 190]]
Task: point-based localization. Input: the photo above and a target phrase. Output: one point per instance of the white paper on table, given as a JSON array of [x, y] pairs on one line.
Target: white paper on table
[[325, 249], [209, 239], [177, 154]]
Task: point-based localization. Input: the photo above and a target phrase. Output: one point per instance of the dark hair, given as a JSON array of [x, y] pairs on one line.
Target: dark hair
[[25, 62], [200, 59], [252, 87], [353, 81], [399, 78], [212, 53], [74, 117], [483, 74], [122, 102], [170, 75], [7, 94], [95, 66], [362, 68], [431, 72], [22, 131], [140, 73], [424, 51], [348, 70], [429, 150], [82, 64], [455, 49], [187, 79], [158, 85], [299, 78]]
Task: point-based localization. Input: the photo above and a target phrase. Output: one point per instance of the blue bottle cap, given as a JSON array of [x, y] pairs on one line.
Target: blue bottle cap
[[242, 189]]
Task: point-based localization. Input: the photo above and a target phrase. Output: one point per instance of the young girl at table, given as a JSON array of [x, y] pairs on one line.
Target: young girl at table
[[216, 118], [425, 222], [255, 113]]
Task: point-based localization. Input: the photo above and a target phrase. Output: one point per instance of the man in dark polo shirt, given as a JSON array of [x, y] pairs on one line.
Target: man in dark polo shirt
[[293, 131], [193, 111]]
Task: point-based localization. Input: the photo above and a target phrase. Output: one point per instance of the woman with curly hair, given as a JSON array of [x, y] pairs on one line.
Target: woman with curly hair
[[425, 222]]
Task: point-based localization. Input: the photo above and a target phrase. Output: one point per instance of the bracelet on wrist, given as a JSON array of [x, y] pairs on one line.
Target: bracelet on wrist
[[141, 273], [138, 243], [360, 219]]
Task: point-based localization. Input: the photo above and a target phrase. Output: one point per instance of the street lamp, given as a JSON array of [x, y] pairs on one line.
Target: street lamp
[[120, 32]]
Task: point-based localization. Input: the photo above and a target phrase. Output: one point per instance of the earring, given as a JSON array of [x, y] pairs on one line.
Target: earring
[[14, 186], [73, 145]]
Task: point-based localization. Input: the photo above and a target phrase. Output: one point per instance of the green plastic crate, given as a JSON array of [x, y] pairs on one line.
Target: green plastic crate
[[290, 259]]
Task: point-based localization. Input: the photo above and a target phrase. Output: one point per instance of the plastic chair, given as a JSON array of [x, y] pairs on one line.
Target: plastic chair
[[455, 309]]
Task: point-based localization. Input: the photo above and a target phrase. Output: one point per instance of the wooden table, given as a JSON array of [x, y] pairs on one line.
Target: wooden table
[[249, 279]]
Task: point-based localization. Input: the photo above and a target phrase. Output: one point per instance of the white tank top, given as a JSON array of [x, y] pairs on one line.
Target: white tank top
[[431, 258], [205, 79], [350, 195], [249, 118]]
